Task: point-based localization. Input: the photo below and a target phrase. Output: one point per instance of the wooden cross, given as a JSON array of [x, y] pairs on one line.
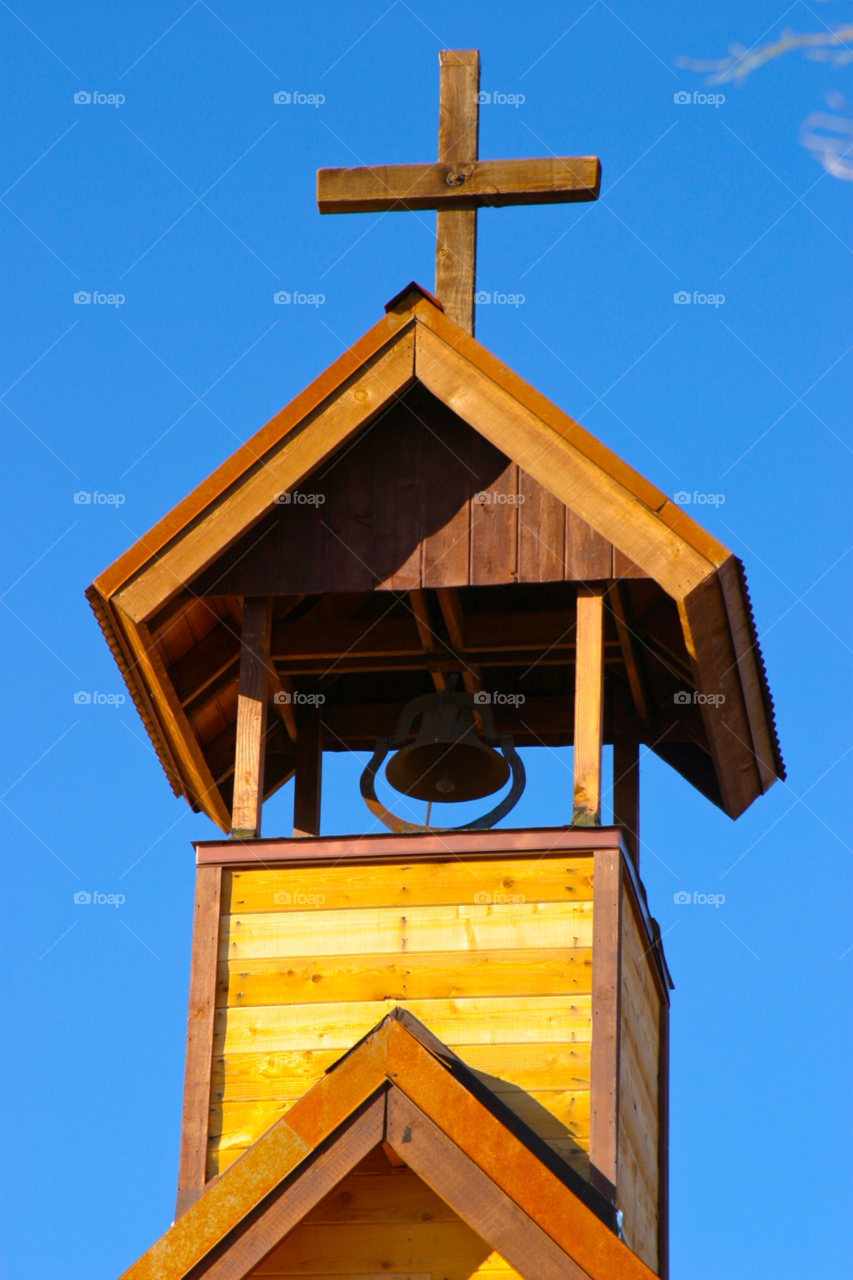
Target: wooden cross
[[458, 184]]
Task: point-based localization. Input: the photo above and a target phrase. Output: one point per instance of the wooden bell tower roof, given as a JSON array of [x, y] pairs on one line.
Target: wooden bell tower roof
[[418, 511]]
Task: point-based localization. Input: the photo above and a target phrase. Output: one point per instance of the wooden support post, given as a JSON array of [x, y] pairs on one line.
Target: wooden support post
[[429, 642], [605, 1056], [589, 697], [309, 771], [626, 793], [252, 700], [456, 231], [192, 1166]]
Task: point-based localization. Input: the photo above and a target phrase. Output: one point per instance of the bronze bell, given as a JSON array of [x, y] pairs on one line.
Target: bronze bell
[[447, 762]]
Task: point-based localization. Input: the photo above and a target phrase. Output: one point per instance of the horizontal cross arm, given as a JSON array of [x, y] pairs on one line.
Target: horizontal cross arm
[[479, 183]]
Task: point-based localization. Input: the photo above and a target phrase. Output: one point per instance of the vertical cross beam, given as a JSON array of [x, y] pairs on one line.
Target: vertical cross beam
[[309, 771], [589, 699], [252, 700], [456, 231]]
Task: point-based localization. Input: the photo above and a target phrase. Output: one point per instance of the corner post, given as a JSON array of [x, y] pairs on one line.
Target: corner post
[[456, 231], [589, 699], [604, 1060], [192, 1164], [309, 771], [252, 700], [626, 794]]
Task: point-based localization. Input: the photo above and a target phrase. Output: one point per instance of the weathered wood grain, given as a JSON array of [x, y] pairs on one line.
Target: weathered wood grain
[[589, 707], [388, 930], [493, 184], [200, 1027], [252, 703], [484, 1020], [551, 878]]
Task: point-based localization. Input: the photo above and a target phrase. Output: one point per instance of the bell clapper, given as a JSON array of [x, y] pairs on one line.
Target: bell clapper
[[428, 812]]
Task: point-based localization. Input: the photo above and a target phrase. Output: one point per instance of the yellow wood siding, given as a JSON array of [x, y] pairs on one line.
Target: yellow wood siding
[[639, 1059], [383, 1222], [493, 955]]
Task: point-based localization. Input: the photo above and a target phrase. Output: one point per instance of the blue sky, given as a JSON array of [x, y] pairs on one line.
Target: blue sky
[[193, 200]]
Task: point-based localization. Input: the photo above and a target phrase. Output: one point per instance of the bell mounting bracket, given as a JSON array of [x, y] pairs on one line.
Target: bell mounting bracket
[[489, 735]]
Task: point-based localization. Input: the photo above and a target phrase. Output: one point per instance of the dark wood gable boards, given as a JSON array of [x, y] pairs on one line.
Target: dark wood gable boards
[[439, 1054]]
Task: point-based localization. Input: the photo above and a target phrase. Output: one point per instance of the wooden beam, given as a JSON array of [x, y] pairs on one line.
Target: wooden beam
[[476, 184], [309, 771], [589, 698], [182, 740], [475, 1197], [205, 662], [252, 702], [617, 599], [454, 620], [626, 792], [606, 1020], [282, 690], [556, 452], [709, 643], [192, 1164], [429, 641], [456, 232], [404, 637]]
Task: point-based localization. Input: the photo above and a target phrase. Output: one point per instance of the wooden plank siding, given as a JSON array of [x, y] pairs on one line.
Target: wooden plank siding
[[493, 955], [639, 1157], [493, 946], [404, 506]]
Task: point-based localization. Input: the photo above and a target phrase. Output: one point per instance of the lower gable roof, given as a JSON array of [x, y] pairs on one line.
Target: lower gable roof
[[402, 1087]]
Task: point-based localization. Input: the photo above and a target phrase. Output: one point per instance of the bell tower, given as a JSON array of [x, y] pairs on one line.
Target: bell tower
[[435, 1046]]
